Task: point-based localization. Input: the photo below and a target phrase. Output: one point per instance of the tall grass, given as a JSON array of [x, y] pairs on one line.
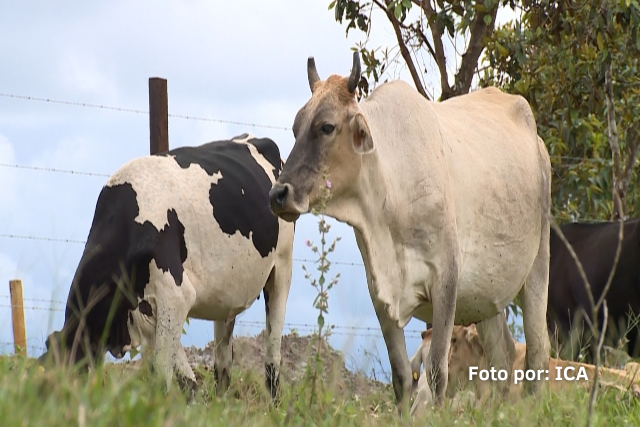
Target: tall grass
[[127, 395]]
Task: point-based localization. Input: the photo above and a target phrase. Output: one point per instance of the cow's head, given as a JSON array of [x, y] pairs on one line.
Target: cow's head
[[331, 135], [64, 347], [95, 320], [465, 351]]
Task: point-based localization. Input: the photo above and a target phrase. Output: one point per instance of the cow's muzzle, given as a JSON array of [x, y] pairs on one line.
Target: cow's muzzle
[[282, 204]]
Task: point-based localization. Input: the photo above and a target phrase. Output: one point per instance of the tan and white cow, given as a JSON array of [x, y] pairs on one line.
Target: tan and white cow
[[449, 202], [466, 351]]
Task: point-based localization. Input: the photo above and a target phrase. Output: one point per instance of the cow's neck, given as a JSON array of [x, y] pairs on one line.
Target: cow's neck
[[371, 213]]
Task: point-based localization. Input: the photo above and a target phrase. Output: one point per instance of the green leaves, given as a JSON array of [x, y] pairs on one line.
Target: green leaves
[[353, 11], [453, 18], [600, 42], [397, 11], [556, 59]]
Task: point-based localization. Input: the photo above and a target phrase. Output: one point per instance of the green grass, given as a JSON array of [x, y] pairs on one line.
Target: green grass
[[116, 395]]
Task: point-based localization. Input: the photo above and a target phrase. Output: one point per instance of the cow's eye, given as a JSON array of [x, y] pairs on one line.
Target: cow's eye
[[453, 341], [327, 128]]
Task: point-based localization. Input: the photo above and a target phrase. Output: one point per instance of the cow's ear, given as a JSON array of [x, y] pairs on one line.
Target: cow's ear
[[362, 141], [426, 333], [471, 334]]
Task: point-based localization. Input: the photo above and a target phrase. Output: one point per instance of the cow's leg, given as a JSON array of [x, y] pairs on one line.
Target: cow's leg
[[223, 334], [534, 297], [444, 310], [498, 345], [185, 376], [398, 358], [401, 376], [276, 292], [173, 304], [423, 398], [420, 383]]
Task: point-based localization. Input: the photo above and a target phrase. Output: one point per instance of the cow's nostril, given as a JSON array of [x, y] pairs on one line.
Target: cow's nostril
[[281, 196], [278, 196]]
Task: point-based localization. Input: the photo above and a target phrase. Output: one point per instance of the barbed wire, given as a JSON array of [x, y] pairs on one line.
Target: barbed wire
[[350, 264], [135, 111], [58, 240], [102, 175], [32, 347], [206, 119], [368, 331], [43, 169], [30, 307], [329, 326], [48, 239], [333, 331], [48, 301]]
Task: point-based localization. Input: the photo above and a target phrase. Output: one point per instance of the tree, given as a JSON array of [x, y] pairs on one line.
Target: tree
[[570, 61], [471, 19]]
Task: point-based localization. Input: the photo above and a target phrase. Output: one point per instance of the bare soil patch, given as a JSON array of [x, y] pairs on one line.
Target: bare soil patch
[[297, 352]]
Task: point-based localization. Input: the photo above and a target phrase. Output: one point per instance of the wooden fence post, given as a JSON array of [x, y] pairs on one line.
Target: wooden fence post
[[17, 316], [158, 115]]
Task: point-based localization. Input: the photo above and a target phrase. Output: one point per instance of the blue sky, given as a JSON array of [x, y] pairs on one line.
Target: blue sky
[[242, 61]]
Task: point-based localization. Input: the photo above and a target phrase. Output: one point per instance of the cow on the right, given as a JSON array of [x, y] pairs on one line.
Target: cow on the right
[[595, 245]]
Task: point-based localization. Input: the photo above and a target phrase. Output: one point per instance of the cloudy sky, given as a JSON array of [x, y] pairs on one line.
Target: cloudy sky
[[242, 61]]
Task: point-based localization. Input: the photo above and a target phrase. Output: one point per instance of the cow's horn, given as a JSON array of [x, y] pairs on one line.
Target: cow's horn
[[354, 78], [312, 73]]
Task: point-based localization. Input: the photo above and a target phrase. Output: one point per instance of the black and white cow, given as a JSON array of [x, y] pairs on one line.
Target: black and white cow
[[184, 233]]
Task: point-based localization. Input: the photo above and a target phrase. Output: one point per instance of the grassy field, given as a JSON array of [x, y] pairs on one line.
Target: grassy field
[[124, 395]]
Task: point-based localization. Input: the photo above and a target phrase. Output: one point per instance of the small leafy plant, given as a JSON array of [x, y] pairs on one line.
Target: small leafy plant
[[321, 284]]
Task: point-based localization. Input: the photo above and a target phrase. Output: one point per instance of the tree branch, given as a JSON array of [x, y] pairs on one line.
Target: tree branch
[[404, 50], [436, 33], [616, 259], [633, 148], [618, 209], [583, 276], [594, 387], [479, 29], [423, 36]]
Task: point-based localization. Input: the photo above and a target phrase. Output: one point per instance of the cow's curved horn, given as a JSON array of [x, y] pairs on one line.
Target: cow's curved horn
[[354, 78], [312, 73]]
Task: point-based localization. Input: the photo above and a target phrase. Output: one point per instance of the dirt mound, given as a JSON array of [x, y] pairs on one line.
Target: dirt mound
[[297, 351]]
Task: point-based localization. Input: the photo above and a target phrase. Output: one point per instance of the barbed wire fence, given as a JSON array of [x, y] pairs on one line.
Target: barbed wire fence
[[137, 111], [363, 331], [196, 118]]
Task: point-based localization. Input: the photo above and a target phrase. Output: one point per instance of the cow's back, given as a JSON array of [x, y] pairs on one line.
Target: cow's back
[[499, 175], [201, 211], [473, 164]]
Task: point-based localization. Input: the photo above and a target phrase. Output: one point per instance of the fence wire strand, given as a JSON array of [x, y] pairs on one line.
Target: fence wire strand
[[360, 331], [105, 175], [43, 169], [136, 111], [82, 242]]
